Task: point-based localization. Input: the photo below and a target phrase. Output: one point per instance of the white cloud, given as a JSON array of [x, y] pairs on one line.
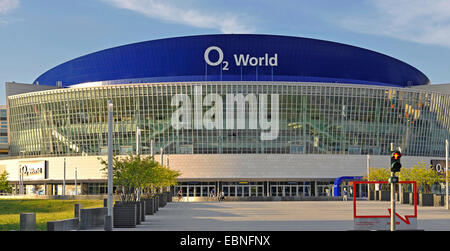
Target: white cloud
[[419, 21], [7, 5], [163, 10]]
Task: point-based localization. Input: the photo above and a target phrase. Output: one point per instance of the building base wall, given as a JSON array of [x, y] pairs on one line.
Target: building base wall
[[223, 166]]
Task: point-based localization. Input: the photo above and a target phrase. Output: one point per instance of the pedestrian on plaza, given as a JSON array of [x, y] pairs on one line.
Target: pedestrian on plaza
[[212, 193], [180, 194], [345, 194], [221, 196]]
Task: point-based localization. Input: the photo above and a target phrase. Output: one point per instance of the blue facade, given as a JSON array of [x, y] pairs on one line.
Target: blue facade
[[268, 58]]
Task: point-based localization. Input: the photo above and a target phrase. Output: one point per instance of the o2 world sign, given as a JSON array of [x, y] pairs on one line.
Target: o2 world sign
[[241, 60]]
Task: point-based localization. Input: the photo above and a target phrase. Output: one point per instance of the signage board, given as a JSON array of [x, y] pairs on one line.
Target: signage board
[[438, 165], [34, 170]]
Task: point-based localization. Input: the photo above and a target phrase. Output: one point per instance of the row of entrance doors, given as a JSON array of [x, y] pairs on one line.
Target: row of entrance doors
[[245, 190]]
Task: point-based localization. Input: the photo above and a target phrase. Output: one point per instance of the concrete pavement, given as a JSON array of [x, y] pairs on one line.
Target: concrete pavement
[[278, 216]]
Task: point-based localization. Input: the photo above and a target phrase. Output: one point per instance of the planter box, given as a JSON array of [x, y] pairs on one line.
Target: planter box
[[138, 212], [377, 195], [149, 207], [371, 195], [124, 215], [425, 199], [142, 211], [439, 200], [411, 198], [405, 198], [385, 195], [162, 200]]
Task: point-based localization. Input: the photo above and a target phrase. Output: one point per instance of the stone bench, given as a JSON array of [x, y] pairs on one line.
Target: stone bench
[[63, 225], [92, 217]]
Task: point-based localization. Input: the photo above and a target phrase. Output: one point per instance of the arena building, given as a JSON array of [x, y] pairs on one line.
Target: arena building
[[252, 115]]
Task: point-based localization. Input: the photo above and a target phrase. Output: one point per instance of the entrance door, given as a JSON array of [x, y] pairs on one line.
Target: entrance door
[[254, 191], [226, 190], [325, 190], [232, 190], [246, 191], [287, 191], [197, 191], [205, 191], [273, 190], [190, 191], [277, 190], [260, 191], [194, 190]]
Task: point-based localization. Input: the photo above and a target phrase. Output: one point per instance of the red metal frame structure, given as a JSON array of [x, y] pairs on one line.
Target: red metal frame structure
[[406, 217]]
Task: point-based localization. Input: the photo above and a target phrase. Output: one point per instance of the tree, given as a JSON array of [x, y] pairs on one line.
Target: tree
[[378, 174], [136, 174], [424, 175], [4, 185]]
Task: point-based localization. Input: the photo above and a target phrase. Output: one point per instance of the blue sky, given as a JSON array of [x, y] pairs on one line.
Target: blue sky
[[38, 35]]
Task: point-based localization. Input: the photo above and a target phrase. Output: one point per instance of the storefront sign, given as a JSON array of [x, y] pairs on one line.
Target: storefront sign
[[438, 166], [36, 170]]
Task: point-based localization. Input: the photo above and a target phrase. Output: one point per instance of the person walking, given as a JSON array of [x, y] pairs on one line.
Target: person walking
[[180, 195], [221, 196], [345, 194]]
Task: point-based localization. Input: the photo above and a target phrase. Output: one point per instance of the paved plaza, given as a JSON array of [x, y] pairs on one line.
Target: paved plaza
[[279, 216]]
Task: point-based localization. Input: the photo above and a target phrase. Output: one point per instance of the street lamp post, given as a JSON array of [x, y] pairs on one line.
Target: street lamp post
[[446, 173], [368, 174], [138, 141], [76, 187], [64, 179], [108, 217]]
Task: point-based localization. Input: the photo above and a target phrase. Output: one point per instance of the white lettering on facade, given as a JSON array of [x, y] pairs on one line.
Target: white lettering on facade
[[240, 59], [235, 112]]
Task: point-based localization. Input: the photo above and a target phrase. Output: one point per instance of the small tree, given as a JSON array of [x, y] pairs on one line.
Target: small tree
[[136, 174], [423, 174], [378, 174], [4, 185], [123, 172]]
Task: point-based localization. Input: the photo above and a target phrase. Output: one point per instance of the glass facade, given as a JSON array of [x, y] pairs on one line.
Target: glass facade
[[3, 126], [230, 118]]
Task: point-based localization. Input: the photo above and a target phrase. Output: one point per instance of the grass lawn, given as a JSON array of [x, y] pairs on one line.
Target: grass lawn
[[46, 210]]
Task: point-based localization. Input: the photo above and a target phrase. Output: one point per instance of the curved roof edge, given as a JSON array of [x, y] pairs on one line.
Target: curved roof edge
[[242, 57]]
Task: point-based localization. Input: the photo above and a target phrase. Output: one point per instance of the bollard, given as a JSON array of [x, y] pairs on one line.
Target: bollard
[[77, 208], [28, 222], [108, 223]]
